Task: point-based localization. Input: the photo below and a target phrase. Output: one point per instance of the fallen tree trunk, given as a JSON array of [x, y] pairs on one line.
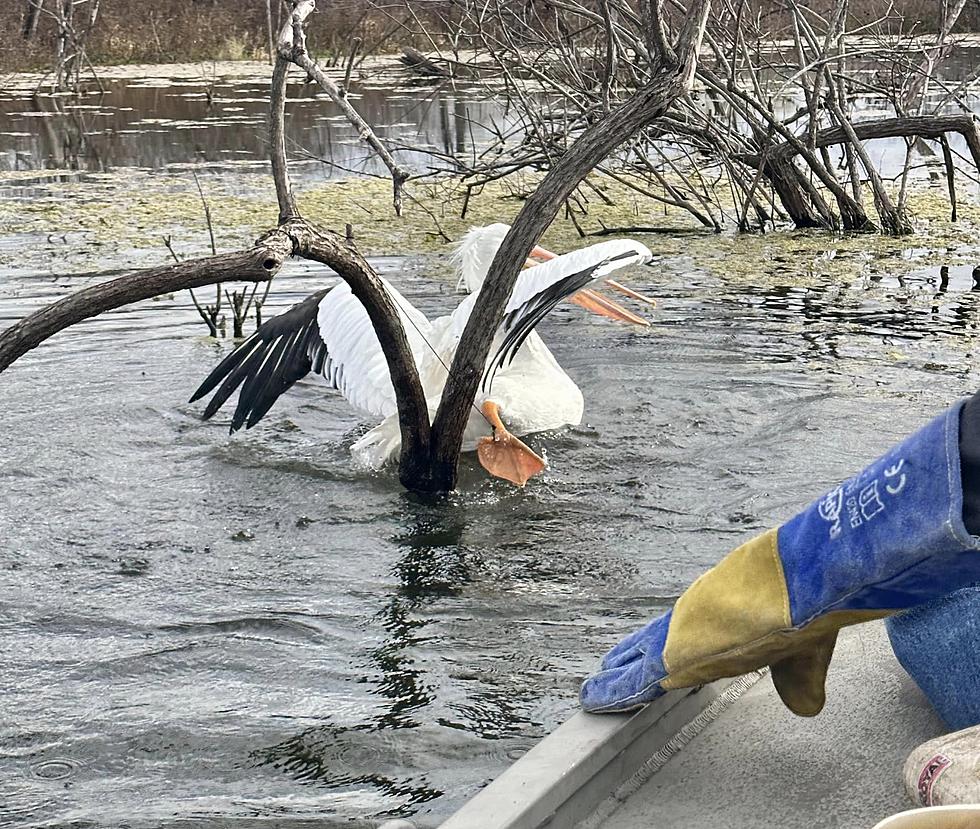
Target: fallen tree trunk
[[914, 126], [797, 200], [804, 204], [416, 61]]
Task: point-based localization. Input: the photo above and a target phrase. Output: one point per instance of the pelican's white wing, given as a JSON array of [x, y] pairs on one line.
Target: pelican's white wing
[[328, 333], [539, 289], [355, 364]]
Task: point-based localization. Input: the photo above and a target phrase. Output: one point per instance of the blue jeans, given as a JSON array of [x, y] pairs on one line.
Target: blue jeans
[[938, 643]]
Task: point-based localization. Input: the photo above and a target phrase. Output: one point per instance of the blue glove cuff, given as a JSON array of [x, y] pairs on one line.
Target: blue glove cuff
[[888, 538]]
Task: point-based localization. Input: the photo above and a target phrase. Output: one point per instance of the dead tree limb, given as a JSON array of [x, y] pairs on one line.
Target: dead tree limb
[[277, 141], [270, 31], [31, 18], [950, 178], [920, 126], [259, 264], [291, 46], [594, 144], [417, 62], [918, 88], [792, 187], [558, 67], [340, 254]]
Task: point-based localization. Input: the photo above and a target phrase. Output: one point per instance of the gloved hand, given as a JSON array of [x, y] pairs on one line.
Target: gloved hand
[[890, 538]]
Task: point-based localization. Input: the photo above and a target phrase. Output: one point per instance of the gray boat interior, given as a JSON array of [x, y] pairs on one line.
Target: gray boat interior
[[726, 755]]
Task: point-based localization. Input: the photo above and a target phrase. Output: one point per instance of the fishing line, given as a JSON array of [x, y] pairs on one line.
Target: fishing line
[[435, 353]]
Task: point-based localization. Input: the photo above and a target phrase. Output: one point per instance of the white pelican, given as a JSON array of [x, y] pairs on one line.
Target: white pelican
[[329, 333]]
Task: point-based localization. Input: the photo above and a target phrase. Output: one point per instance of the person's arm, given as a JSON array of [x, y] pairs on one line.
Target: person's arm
[[892, 537]]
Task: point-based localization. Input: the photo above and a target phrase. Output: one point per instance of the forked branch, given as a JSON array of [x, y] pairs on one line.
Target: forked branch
[[294, 236]]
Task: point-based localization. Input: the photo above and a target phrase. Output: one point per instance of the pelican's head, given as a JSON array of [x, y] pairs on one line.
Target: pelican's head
[[475, 252]]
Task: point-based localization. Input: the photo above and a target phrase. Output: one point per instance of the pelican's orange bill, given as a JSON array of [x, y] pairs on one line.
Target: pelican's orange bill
[[538, 255], [602, 305], [618, 286]]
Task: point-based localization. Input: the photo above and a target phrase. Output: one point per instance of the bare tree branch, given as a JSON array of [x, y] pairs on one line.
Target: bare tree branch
[[593, 145], [923, 126], [259, 264], [291, 47]]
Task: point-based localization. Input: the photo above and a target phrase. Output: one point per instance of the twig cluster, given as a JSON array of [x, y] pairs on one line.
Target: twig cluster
[[770, 135]]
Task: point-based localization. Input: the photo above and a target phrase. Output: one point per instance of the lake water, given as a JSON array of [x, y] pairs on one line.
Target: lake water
[[209, 631], [216, 120], [214, 116]]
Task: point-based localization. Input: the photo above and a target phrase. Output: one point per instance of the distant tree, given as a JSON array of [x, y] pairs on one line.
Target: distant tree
[[73, 22]]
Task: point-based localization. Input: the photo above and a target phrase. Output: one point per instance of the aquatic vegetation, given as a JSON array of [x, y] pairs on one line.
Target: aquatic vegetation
[[125, 214]]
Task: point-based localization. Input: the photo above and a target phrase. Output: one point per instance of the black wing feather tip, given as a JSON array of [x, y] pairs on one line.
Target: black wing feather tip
[[281, 370], [519, 323], [226, 366], [232, 381], [257, 380], [267, 364]]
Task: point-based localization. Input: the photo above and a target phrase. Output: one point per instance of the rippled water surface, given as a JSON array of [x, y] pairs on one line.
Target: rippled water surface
[[203, 630]]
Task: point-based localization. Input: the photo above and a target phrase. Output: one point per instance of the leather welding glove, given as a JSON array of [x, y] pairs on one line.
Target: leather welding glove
[[889, 538]]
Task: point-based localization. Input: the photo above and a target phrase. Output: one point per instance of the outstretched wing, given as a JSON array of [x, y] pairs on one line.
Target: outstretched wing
[[539, 289], [357, 366], [328, 333]]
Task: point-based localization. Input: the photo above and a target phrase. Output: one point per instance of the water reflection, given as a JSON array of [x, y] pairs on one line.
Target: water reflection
[[152, 123], [826, 322], [352, 757], [431, 564], [64, 134], [466, 701]]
